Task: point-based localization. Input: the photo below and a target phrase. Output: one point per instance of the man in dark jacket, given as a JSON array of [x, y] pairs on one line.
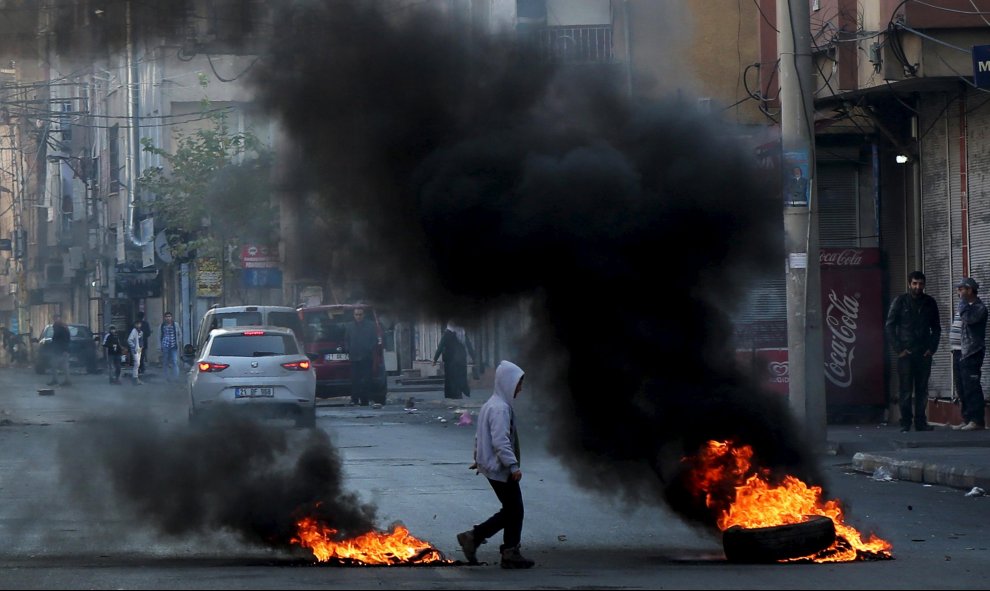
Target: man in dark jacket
[[969, 361], [111, 344], [362, 338], [59, 358], [913, 330]]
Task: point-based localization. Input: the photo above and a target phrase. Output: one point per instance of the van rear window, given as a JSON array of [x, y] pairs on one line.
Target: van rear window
[[253, 346], [287, 320], [326, 325], [232, 319]]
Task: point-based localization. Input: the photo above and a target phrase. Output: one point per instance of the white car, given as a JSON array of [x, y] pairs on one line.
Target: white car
[[259, 369]]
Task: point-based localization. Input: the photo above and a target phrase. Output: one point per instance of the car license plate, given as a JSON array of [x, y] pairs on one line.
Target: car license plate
[[335, 357], [254, 392]]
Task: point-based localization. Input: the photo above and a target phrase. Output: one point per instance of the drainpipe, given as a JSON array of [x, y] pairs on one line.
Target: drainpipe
[[628, 45], [963, 191], [134, 154]]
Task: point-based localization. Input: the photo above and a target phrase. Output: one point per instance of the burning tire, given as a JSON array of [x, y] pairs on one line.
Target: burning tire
[[771, 544]]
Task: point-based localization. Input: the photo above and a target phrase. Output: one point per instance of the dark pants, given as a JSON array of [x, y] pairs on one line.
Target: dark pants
[[144, 356], [455, 380], [968, 372], [113, 366], [361, 381], [508, 518], [913, 372]]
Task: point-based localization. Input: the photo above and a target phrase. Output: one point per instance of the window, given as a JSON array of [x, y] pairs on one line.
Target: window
[[286, 319], [253, 346]]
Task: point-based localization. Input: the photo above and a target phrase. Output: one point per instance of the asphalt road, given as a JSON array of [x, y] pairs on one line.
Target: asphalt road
[[65, 524]]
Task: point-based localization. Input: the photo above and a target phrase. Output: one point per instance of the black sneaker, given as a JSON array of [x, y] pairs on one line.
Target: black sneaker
[[470, 549], [511, 558], [924, 428]]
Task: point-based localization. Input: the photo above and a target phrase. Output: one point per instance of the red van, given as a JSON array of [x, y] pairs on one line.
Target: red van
[[324, 339]]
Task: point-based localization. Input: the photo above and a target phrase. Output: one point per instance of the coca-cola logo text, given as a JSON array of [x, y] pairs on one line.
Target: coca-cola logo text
[[849, 257], [841, 319]]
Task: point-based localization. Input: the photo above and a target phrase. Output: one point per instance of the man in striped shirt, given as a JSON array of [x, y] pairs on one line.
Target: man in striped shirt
[[171, 335], [968, 361]]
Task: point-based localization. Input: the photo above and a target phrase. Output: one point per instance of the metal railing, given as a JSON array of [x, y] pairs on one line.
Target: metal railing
[[586, 44]]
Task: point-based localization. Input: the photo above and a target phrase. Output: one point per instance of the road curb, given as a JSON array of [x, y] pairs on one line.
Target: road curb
[[927, 472]]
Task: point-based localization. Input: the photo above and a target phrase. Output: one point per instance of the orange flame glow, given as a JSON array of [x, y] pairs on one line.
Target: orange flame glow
[[741, 496], [372, 548]]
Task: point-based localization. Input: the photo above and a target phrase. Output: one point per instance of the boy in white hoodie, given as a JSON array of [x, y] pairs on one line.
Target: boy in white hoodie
[[496, 455]]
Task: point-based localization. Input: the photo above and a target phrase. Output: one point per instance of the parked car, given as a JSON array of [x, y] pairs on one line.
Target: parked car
[[234, 316], [254, 369], [83, 349], [324, 338]]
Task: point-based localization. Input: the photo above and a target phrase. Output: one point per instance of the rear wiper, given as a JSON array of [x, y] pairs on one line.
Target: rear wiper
[[263, 354]]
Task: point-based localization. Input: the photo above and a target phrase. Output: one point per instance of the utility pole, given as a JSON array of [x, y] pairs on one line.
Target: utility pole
[[804, 329]]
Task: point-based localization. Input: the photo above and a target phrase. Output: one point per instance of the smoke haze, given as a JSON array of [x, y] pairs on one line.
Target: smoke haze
[[451, 173]]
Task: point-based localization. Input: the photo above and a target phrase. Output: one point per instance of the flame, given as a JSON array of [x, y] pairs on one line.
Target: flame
[[741, 496], [372, 548]]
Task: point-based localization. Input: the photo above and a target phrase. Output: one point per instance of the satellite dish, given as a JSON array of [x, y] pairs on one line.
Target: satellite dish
[[162, 248]]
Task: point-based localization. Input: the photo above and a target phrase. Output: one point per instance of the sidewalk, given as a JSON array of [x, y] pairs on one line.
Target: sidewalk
[[958, 459]]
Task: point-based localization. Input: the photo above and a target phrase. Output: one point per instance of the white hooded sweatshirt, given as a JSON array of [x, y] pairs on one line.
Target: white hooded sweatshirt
[[496, 447]]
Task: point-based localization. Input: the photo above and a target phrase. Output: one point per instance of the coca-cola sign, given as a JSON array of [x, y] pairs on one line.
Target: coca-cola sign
[[852, 326], [840, 320], [848, 257]]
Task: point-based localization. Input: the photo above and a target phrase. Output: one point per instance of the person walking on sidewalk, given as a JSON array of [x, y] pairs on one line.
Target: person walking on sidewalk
[[913, 330], [145, 335], [171, 336], [111, 344], [496, 457], [455, 347], [968, 361], [136, 343], [362, 338], [60, 351]]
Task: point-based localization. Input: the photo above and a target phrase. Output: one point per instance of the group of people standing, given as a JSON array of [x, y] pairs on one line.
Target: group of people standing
[[914, 330], [170, 337]]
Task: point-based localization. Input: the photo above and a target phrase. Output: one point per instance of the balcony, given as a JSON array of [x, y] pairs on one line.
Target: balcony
[[583, 44]]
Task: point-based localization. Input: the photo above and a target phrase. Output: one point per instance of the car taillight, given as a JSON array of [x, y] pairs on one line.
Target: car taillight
[[253, 333], [207, 366], [297, 365]]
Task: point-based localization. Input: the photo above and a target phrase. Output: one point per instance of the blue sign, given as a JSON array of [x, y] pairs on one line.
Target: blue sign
[[264, 277], [981, 66]]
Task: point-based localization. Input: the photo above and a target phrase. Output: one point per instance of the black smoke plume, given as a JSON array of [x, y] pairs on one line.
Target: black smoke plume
[[238, 476], [458, 171]]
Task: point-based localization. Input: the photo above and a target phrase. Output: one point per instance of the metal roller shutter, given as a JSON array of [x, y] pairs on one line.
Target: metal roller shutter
[[838, 204], [940, 197], [978, 148]]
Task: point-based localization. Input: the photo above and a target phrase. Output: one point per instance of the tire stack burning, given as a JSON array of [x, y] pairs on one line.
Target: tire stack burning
[[766, 521]]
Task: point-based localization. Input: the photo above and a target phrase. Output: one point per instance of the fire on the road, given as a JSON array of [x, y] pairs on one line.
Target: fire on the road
[[371, 548], [740, 495]]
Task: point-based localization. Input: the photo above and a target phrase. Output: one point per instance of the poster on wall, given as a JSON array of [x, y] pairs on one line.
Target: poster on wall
[[209, 278]]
